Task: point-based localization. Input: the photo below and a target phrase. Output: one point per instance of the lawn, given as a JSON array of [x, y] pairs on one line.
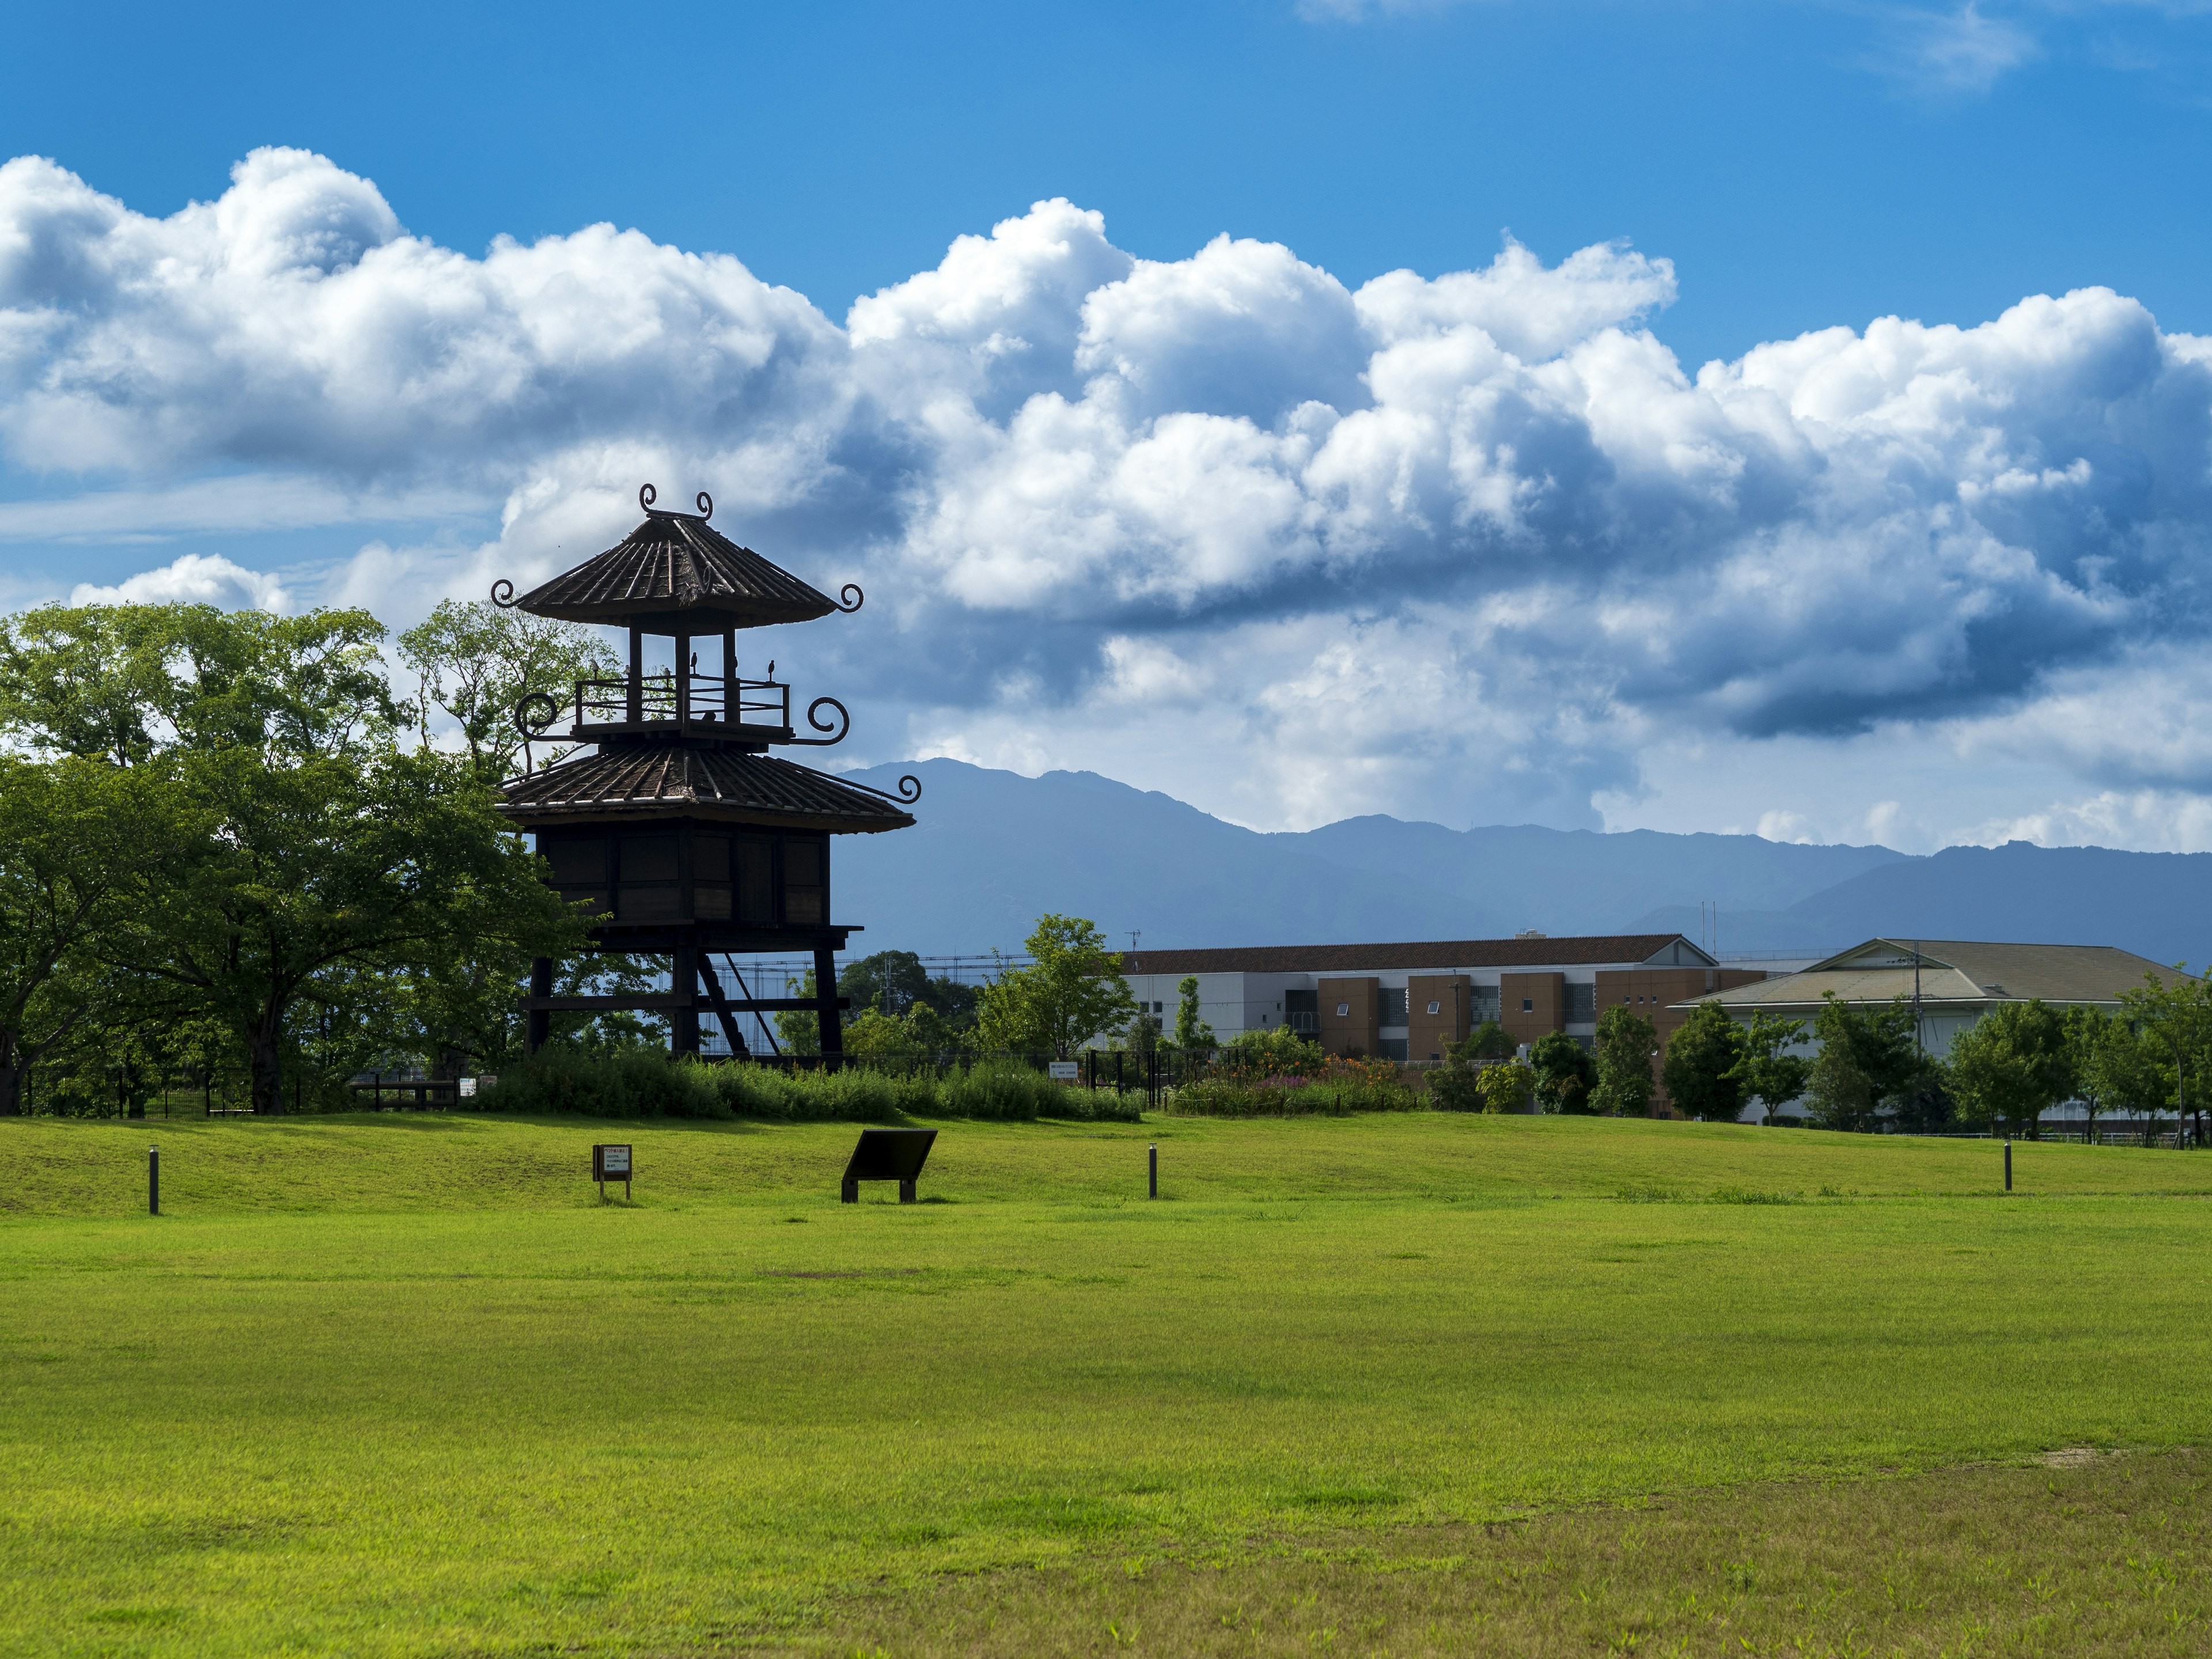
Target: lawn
[[402, 1385]]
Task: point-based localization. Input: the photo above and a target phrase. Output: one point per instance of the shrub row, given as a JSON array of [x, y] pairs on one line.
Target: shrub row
[[1285, 1097], [642, 1084]]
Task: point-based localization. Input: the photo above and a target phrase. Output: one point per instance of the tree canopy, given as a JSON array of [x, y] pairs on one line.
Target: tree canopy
[[1072, 992], [218, 829], [1765, 1069], [2011, 1065], [1626, 1042], [1702, 1068]]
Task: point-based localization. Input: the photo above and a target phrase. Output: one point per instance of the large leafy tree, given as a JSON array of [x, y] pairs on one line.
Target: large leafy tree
[[2011, 1065], [1625, 1044], [1565, 1074], [1765, 1069], [127, 683], [891, 983], [1876, 1057], [2175, 1016], [477, 662], [331, 866], [394, 864], [83, 844], [1072, 992], [2118, 1065], [1703, 1066], [1488, 1041]]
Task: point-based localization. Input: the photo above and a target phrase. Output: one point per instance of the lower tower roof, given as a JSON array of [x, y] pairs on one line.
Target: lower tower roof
[[644, 783]]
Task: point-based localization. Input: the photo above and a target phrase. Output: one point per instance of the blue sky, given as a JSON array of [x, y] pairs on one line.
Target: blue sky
[[1802, 164], [2019, 566]]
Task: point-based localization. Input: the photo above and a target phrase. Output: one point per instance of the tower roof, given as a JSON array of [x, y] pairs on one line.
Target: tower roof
[[639, 784], [677, 574]]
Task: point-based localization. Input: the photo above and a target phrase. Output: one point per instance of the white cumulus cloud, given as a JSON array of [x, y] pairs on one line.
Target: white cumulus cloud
[[1470, 545]]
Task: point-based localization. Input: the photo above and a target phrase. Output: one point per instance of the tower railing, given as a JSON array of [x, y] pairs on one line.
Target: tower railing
[[665, 699]]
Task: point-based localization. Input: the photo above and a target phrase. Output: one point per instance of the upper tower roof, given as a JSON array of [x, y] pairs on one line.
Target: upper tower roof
[[677, 574]]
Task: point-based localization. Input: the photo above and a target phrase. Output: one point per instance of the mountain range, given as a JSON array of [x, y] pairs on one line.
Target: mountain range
[[994, 850]]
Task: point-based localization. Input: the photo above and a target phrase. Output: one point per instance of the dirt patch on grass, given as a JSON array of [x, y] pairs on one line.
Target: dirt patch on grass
[[2095, 1554]]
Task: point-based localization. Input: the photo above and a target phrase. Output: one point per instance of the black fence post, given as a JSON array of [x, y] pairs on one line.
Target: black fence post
[[2008, 1166], [1153, 1159], [153, 1180]]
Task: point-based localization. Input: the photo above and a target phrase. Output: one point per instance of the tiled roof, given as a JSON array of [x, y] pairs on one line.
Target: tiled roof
[[716, 783], [677, 571], [1392, 958]]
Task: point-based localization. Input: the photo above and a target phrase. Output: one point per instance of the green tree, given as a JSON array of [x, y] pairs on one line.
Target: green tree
[[2094, 1040], [1704, 1065], [2011, 1065], [126, 682], [395, 863], [2175, 1015], [1879, 1060], [478, 661], [82, 844], [1766, 1071], [1626, 1043], [1072, 992], [2119, 1066], [1508, 1086], [1837, 1094], [889, 982], [1192, 1034], [1488, 1041], [1565, 1074]]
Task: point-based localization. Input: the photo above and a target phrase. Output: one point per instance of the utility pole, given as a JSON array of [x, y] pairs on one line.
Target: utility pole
[[1919, 1037]]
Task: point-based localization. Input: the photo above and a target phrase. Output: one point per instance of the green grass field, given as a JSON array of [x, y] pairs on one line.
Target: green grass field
[[1410, 1385]]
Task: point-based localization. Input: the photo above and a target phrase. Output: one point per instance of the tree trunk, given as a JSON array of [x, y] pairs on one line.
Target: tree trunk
[[11, 1090], [268, 1076]]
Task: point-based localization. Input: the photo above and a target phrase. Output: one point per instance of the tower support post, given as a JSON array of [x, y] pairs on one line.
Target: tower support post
[[683, 1019], [541, 1020], [825, 987]]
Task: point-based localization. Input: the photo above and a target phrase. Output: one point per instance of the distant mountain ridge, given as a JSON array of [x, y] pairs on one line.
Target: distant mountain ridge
[[992, 850]]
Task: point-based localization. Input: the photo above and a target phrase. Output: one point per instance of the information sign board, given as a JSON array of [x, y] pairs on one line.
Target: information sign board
[[610, 1163], [1064, 1071]]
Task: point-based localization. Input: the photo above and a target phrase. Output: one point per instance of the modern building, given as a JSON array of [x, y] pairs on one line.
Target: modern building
[[1952, 982], [1413, 1001]]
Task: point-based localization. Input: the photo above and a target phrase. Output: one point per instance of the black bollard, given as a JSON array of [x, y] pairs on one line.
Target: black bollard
[[1155, 1162], [153, 1180], [2008, 1166]]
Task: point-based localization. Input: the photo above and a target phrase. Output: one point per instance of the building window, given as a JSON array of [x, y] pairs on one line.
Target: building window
[[1528, 1005], [1393, 1006], [1344, 1011], [1435, 1008]]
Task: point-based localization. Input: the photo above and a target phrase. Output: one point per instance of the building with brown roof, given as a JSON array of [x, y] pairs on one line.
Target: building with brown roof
[[1414, 1000], [1952, 982]]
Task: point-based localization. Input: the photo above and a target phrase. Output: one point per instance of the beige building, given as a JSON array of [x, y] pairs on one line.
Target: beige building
[[1951, 982]]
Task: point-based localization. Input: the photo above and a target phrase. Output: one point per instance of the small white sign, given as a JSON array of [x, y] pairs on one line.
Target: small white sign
[[1064, 1071], [615, 1160], [468, 1088]]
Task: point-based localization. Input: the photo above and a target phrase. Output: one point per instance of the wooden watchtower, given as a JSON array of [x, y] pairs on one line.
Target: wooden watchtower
[[679, 828]]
